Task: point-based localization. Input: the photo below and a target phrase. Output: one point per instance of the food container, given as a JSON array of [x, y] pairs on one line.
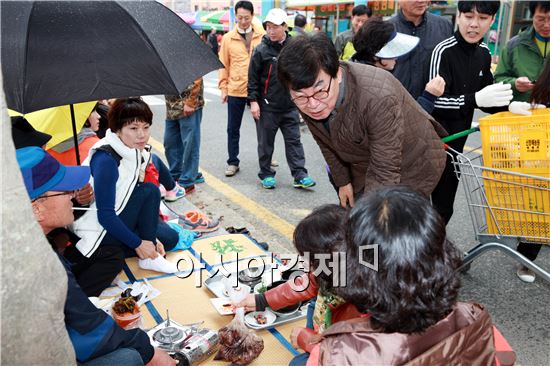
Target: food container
[[128, 320]]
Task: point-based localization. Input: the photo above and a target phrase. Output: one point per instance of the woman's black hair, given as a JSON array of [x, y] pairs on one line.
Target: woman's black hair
[[126, 111], [541, 90], [246, 5], [483, 7], [544, 6], [416, 283], [371, 38], [87, 123], [303, 58], [319, 233], [103, 111]]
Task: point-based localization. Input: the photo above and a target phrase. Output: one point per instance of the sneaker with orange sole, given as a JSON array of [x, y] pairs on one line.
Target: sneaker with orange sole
[[198, 222]]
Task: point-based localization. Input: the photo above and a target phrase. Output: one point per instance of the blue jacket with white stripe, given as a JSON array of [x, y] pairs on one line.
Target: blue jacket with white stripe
[[93, 333], [466, 68]]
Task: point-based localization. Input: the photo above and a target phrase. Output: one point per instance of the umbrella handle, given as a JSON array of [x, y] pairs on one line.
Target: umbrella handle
[[75, 134]]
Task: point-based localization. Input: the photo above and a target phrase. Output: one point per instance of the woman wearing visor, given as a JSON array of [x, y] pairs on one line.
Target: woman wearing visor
[[378, 44]]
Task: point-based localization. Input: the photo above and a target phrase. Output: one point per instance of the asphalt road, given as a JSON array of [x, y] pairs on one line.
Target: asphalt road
[[519, 310]]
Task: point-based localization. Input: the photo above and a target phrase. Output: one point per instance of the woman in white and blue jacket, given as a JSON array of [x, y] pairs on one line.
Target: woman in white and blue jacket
[[127, 208]]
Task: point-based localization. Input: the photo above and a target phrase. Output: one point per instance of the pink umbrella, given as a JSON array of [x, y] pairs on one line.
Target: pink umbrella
[[225, 17], [188, 18]]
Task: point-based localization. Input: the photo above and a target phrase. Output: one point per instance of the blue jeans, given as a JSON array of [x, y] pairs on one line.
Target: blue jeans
[[235, 110], [164, 174], [182, 141], [167, 236], [122, 356]]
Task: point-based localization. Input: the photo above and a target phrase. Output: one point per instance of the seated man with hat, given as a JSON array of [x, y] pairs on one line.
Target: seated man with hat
[[96, 338], [43, 173], [24, 135]]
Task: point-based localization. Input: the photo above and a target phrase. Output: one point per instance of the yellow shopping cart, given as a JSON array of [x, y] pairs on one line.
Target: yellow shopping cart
[[507, 186]]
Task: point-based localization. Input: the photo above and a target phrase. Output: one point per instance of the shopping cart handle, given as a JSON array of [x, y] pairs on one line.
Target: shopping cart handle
[[459, 134]]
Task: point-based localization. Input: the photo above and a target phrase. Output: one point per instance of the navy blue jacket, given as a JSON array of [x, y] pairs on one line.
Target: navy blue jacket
[[93, 333], [410, 68]]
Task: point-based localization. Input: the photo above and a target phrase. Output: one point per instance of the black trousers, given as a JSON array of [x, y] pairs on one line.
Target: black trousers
[[96, 273], [443, 196], [530, 251], [266, 130]]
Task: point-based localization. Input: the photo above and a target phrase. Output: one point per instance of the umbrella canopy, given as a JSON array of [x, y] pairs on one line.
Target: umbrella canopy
[[188, 18], [59, 52], [56, 121], [200, 25], [217, 17], [210, 26]]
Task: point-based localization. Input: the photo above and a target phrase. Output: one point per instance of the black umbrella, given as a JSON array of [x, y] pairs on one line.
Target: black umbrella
[[62, 52]]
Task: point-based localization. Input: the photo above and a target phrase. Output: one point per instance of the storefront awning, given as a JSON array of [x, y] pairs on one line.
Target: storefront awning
[[308, 3]]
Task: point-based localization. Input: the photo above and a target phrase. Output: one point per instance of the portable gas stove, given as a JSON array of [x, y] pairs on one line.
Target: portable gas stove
[[187, 344]]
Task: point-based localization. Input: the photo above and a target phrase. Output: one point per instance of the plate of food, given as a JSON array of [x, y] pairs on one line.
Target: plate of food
[[260, 319], [223, 306]]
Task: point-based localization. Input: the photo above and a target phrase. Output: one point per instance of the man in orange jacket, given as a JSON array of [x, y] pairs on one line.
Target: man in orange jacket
[[235, 52]]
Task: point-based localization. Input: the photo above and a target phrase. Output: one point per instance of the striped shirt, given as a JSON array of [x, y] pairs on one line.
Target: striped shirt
[[466, 68]]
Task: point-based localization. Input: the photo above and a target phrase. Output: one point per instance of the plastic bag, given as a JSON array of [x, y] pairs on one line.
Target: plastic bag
[[185, 237], [238, 344]]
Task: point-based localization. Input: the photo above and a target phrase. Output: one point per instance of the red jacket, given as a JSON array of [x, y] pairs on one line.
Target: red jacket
[[283, 295]]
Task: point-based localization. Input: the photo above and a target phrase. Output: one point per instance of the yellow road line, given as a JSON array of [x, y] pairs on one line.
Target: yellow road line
[[275, 222]]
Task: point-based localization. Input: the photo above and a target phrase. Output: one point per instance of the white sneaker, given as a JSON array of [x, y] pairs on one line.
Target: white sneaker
[[159, 264], [525, 274]]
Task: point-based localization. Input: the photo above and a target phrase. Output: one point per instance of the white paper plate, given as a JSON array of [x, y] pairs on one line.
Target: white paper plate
[[220, 304], [251, 320]]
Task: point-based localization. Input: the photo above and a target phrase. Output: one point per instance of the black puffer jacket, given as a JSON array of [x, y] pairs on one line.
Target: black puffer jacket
[[263, 85]]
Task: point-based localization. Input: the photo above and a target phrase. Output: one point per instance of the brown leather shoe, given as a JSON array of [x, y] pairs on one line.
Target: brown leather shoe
[[231, 170]]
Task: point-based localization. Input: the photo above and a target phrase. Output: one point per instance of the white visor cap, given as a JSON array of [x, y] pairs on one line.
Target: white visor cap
[[400, 44]]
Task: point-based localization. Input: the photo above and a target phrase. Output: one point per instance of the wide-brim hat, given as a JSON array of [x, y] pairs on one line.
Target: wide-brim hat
[[42, 172], [399, 44]]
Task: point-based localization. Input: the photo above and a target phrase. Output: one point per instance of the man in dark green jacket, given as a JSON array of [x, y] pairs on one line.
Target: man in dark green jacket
[[522, 60]]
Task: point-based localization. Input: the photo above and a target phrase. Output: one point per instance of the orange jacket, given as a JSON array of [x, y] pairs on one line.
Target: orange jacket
[[233, 79], [69, 157]]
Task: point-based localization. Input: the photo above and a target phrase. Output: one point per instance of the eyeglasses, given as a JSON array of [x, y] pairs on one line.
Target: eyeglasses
[[319, 95], [71, 193], [542, 20]]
